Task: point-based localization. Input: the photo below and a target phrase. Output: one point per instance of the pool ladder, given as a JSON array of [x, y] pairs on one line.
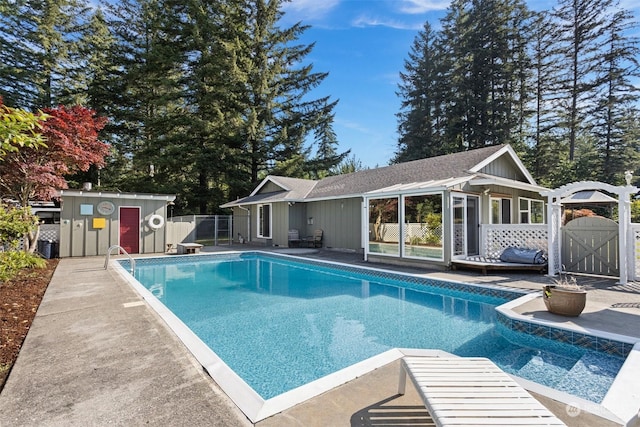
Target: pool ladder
[[106, 260]]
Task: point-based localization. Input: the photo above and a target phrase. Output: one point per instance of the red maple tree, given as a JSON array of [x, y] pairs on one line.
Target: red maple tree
[[72, 145]]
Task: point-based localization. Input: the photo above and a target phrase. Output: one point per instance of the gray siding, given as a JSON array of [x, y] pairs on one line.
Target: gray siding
[[78, 237], [341, 221], [504, 167], [270, 187]]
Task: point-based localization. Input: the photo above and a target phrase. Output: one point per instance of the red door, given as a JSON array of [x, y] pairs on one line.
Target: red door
[[130, 229]]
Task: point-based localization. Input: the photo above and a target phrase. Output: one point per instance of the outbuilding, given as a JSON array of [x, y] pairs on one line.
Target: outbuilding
[[93, 221]]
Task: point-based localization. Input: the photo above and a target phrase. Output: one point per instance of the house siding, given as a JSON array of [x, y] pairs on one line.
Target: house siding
[[341, 221], [270, 187], [504, 167]]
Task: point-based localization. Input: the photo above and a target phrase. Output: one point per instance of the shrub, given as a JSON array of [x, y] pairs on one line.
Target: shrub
[[11, 262]]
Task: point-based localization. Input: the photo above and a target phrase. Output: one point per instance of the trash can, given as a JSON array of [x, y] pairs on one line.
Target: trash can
[[44, 248], [55, 249]]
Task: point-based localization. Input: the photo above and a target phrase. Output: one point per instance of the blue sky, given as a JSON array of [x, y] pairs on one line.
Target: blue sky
[[363, 45]]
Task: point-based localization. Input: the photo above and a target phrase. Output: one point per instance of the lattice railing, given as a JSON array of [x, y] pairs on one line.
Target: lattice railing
[[634, 269], [497, 237]]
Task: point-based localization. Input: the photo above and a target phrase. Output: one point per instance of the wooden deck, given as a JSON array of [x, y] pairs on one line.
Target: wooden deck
[[486, 264]]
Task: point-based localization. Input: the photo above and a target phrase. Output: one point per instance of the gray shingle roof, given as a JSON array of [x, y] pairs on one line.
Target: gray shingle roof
[[357, 183], [433, 168]]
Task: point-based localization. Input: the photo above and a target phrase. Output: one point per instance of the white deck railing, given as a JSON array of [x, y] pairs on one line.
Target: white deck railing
[[495, 238]]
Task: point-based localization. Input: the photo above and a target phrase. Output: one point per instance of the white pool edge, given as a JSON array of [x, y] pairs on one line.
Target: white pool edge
[[617, 405], [622, 401]]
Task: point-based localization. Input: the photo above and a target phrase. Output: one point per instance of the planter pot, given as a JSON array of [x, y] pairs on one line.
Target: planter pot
[[566, 302]]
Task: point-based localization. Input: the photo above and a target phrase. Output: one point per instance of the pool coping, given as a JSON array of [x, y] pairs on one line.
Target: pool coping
[[616, 405], [623, 395]]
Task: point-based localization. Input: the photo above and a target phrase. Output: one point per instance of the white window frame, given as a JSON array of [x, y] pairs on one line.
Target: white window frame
[[500, 201], [259, 225], [528, 210]]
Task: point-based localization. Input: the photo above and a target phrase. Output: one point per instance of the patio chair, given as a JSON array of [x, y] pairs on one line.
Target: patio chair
[[314, 241], [294, 238], [472, 391]]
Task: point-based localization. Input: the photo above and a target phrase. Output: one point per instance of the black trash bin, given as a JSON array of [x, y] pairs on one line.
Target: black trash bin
[[55, 249], [44, 248]]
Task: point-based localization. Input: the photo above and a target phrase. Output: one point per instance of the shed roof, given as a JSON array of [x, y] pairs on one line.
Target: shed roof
[[115, 195]]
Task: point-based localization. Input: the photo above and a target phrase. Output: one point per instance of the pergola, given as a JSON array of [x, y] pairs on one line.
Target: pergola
[[554, 214]]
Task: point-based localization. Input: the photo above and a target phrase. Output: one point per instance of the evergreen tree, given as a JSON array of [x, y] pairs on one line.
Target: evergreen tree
[[479, 89], [581, 25], [544, 146], [278, 117], [142, 93], [420, 106], [618, 97], [39, 54]]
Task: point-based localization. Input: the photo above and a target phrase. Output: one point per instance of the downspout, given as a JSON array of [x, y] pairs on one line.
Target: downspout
[[248, 221]]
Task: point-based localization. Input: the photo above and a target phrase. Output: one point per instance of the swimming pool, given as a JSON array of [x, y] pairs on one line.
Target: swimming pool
[[281, 322]]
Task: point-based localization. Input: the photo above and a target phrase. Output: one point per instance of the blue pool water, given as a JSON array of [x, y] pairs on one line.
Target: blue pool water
[[281, 323]]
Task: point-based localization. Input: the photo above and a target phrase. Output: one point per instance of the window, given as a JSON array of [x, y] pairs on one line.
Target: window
[[384, 229], [264, 221], [423, 226], [531, 211], [500, 211]]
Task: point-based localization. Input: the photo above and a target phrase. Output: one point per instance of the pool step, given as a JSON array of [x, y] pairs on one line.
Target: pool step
[[590, 369]]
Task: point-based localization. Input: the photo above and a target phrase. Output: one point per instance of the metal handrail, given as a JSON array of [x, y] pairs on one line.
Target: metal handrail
[[106, 260]]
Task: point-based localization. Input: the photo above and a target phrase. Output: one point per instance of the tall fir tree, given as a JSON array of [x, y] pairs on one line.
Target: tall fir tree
[[279, 117], [581, 26], [420, 108], [617, 97], [39, 53]]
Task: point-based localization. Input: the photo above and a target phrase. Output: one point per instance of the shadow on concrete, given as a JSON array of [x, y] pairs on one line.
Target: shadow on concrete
[[383, 414]]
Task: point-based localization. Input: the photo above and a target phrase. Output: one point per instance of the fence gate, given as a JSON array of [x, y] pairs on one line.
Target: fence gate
[[590, 245]]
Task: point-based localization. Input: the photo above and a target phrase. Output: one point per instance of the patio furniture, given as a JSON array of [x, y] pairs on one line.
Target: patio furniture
[[314, 241], [472, 391], [294, 238], [485, 264]]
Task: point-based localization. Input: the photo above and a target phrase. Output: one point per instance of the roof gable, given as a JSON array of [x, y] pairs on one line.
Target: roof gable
[[443, 168]]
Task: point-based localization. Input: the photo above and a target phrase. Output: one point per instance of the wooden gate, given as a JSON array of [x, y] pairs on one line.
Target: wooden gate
[[590, 245]]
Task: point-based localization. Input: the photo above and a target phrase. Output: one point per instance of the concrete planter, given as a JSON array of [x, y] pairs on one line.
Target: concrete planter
[[566, 302]]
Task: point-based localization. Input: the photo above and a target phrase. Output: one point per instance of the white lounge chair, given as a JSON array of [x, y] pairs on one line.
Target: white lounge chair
[[472, 392]]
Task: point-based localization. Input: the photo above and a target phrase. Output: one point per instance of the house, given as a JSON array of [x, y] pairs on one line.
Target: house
[[430, 210]]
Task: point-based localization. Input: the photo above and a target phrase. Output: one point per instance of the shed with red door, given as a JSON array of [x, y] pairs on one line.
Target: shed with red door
[[93, 221]]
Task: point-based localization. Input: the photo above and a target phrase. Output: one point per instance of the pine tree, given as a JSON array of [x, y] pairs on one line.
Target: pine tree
[[544, 147], [278, 117], [39, 51], [420, 106], [581, 26], [618, 96], [484, 72], [142, 93]]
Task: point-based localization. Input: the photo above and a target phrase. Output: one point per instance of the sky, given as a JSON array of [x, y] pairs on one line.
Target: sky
[[363, 44]]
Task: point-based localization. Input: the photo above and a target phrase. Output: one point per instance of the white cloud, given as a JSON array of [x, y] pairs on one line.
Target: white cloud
[[366, 21], [423, 6], [309, 9]]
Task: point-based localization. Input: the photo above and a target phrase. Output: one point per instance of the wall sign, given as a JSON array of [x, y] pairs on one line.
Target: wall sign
[[106, 208], [86, 209]]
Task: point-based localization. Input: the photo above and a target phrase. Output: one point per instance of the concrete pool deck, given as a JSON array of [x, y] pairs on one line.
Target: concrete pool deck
[[97, 354]]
